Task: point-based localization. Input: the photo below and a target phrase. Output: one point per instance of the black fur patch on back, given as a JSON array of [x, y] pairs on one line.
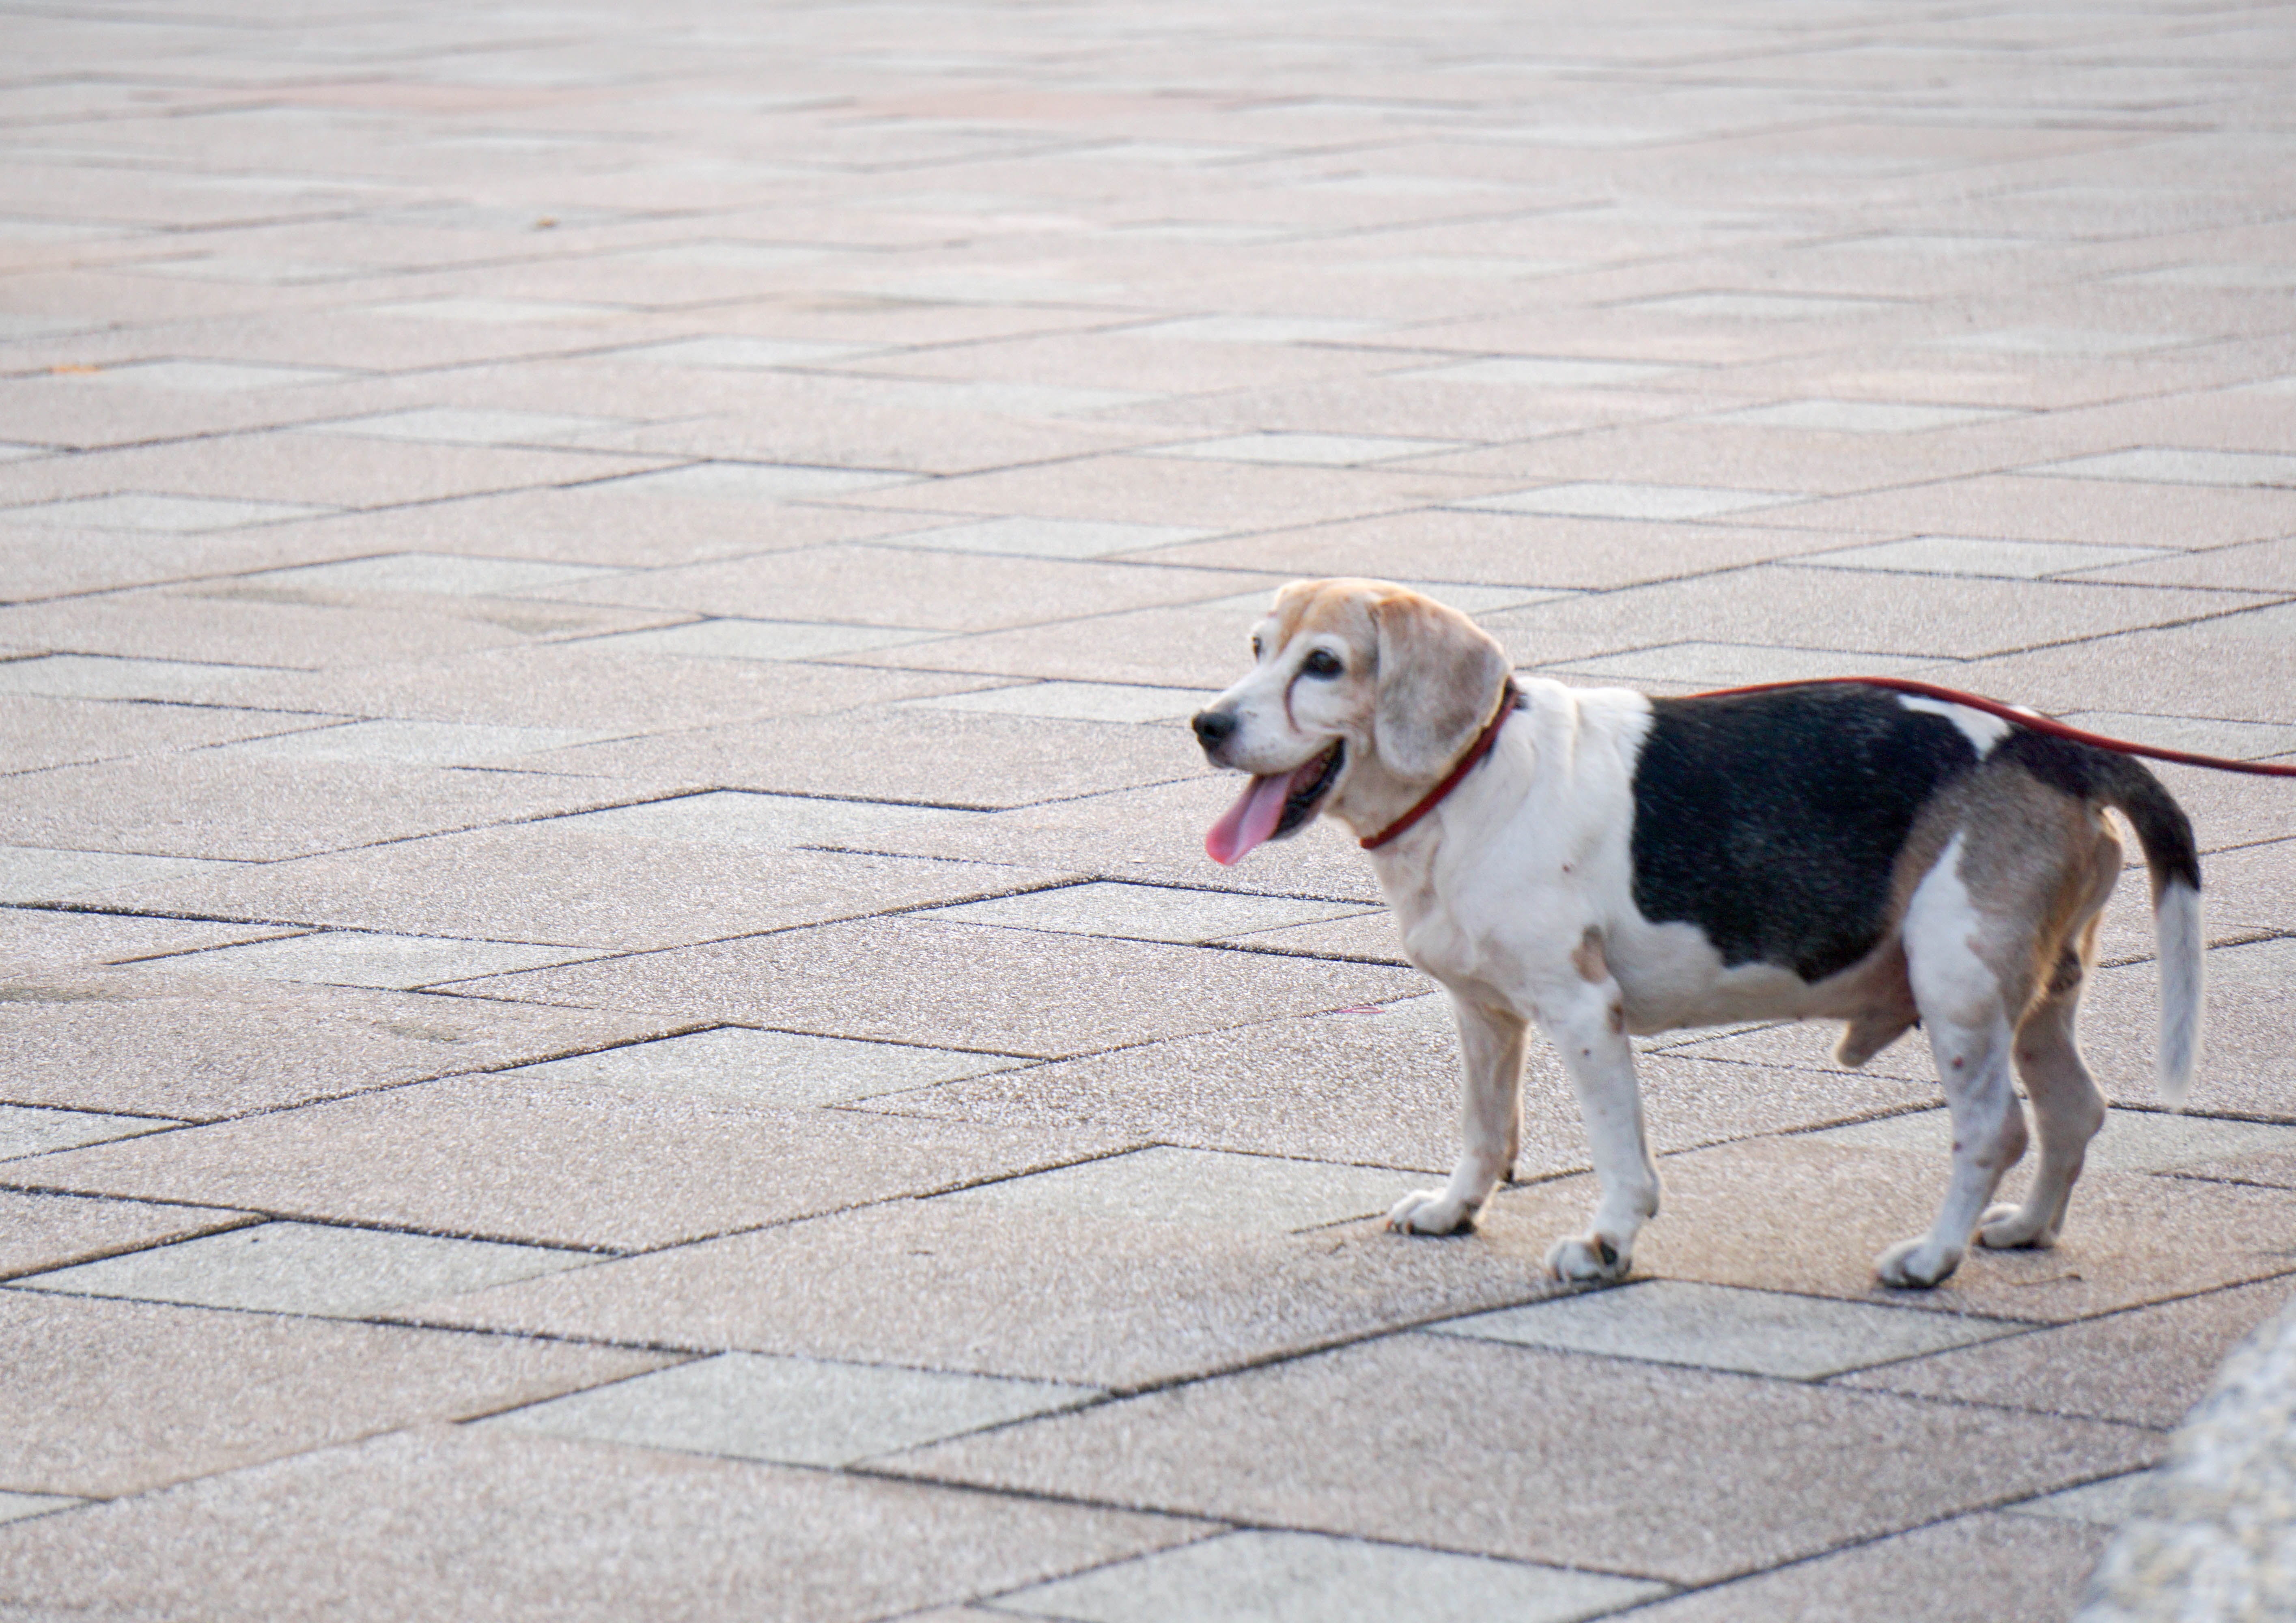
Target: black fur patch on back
[[1772, 821]]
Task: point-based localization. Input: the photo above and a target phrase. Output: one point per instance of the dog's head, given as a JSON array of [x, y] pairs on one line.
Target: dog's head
[[1356, 685]]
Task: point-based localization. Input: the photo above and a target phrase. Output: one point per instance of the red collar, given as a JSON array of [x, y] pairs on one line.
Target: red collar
[[1509, 698]]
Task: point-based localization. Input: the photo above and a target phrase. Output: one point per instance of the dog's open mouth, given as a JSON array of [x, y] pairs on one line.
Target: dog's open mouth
[[1275, 806]]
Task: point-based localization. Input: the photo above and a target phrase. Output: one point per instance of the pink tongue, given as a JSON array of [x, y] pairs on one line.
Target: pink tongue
[[1251, 819]]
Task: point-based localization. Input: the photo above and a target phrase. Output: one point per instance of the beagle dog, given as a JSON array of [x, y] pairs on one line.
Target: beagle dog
[[1604, 863]]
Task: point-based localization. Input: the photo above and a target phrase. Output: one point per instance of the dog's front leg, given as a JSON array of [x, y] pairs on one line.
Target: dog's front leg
[[1490, 1105], [1588, 1028]]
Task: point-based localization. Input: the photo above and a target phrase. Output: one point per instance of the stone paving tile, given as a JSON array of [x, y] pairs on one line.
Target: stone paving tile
[[1596, 500], [345, 958], [481, 1520], [2148, 1366], [1092, 1296], [40, 732], [520, 1157], [28, 1130], [571, 882], [1139, 912], [112, 1397], [1755, 1333], [2169, 465], [790, 1411], [58, 939], [761, 639], [912, 588], [15, 1506], [2105, 1503], [1076, 702], [1963, 555], [2018, 507], [295, 1267], [2245, 1067], [33, 874], [1298, 1577], [52, 1231], [208, 805], [2126, 1242], [153, 1040], [1667, 1474], [954, 760], [1055, 996], [1972, 1570], [446, 573], [2131, 1141], [778, 1069], [1023, 538]]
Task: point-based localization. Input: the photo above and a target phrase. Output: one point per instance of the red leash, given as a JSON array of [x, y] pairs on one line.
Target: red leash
[[2024, 718], [1509, 698]]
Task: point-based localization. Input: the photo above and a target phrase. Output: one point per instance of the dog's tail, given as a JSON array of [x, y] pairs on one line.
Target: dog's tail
[[2174, 862]]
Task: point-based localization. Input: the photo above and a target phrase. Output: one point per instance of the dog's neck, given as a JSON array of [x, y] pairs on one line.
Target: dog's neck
[[1380, 806]]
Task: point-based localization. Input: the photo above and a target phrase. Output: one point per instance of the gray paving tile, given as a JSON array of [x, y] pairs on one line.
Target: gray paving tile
[[29, 1130], [2167, 465], [2131, 1141], [2087, 342], [69, 676], [15, 1506], [714, 1540], [1259, 330], [738, 639], [1562, 372], [44, 936], [1493, 1440], [745, 821], [1310, 450], [212, 377], [1236, 1192], [30, 873], [38, 1232], [791, 1411], [741, 353], [1971, 555], [1757, 1332], [1050, 538], [1730, 664], [1076, 702], [174, 515], [491, 311], [739, 481], [448, 573], [1860, 416], [2198, 736], [1141, 913], [1606, 500], [463, 425], [781, 1069], [564, 1164], [1308, 1577], [349, 959], [321, 1271], [116, 1397], [422, 744], [2103, 1504]]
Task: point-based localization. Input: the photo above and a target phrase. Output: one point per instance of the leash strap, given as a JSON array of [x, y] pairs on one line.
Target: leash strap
[[2010, 713]]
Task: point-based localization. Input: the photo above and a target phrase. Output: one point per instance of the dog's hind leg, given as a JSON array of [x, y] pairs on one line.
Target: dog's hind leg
[[2067, 1107], [1966, 1010], [1490, 1122]]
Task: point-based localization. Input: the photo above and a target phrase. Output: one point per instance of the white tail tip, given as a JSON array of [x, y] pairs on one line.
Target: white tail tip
[[2176, 929]]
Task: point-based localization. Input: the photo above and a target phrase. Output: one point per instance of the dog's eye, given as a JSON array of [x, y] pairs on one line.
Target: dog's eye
[[1322, 662]]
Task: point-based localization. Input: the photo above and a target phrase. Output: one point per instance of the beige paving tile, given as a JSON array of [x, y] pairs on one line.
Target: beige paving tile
[[1702, 665], [151, 1041], [1755, 1333], [346, 958], [1966, 1570], [1290, 1578], [1049, 537], [755, 639], [1965, 555], [779, 1068], [52, 1231], [1860, 416], [36, 874], [2105, 1503], [550, 1160], [2148, 1366], [1701, 1475], [60, 938], [790, 1411], [29, 1130], [15, 1506], [2169, 465], [159, 512], [110, 1398], [1139, 912], [915, 980], [1594, 500], [448, 573], [1076, 702], [484, 1520]]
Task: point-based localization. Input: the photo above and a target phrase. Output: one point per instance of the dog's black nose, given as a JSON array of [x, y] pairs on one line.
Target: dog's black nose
[[1213, 727]]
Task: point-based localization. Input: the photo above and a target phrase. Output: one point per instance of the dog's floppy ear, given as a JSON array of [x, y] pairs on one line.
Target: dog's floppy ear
[[1439, 676]]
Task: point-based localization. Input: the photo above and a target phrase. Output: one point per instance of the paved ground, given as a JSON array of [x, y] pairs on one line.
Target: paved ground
[[614, 1008]]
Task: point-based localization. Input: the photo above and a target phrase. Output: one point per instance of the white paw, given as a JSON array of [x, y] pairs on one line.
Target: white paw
[[1913, 1265], [1430, 1211], [2005, 1228], [1586, 1259]]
